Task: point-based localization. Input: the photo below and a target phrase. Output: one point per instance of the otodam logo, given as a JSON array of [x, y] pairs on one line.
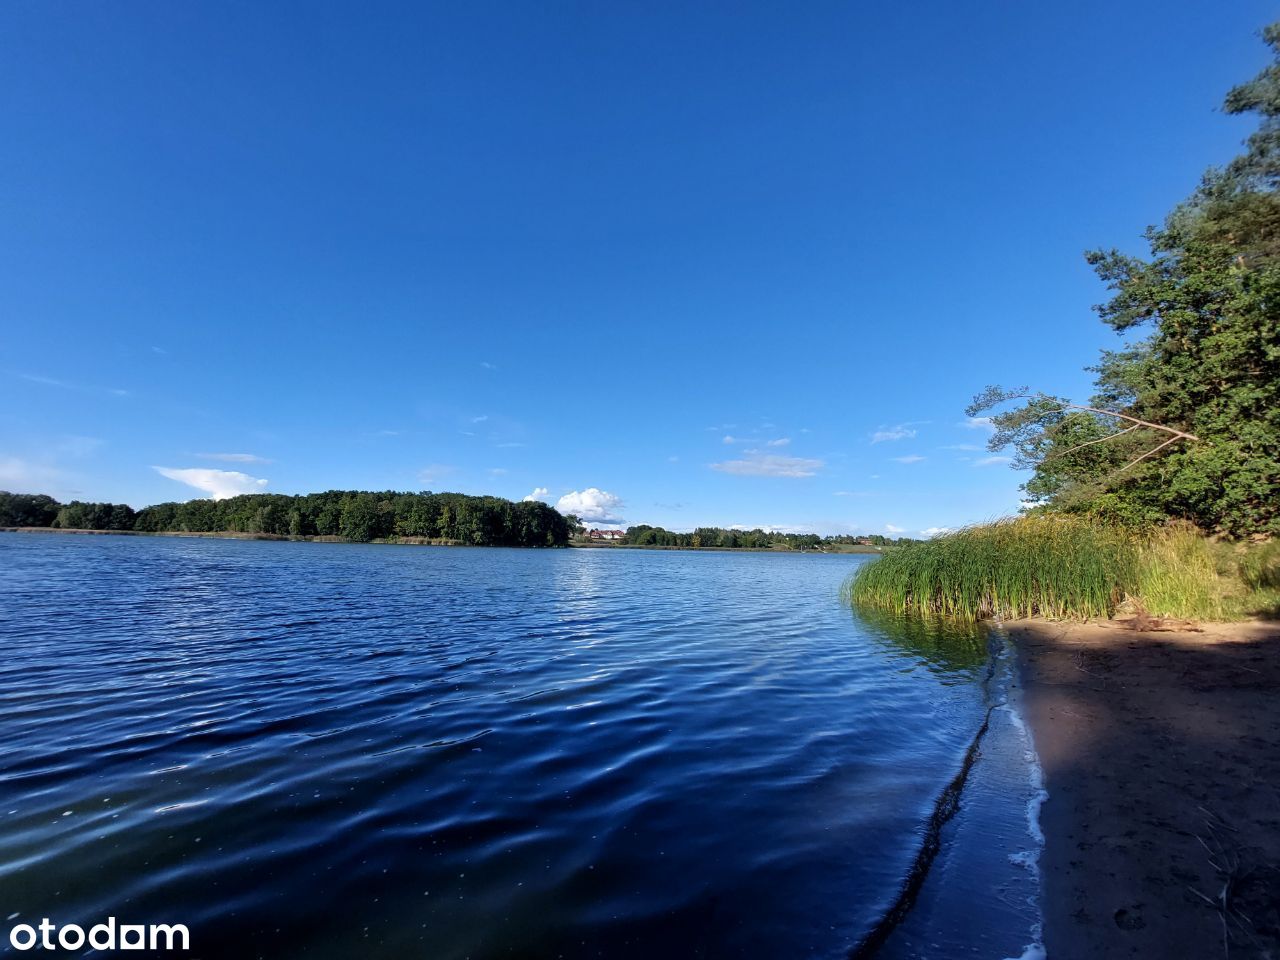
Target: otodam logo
[[101, 936]]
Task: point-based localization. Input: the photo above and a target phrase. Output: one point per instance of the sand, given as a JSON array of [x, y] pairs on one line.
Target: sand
[[1161, 754]]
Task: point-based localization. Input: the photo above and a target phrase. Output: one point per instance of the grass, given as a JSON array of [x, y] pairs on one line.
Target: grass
[[1066, 567]]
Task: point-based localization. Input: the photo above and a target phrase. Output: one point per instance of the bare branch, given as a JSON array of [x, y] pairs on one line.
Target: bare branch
[[1089, 443], [1149, 453], [1181, 434]]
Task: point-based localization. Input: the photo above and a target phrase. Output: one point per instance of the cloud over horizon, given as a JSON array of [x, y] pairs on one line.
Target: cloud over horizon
[[539, 493], [16, 473], [219, 484], [592, 505], [433, 472]]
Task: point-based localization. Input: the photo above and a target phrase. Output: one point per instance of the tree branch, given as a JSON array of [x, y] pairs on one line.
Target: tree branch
[[1089, 443], [1150, 452], [1178, 434]]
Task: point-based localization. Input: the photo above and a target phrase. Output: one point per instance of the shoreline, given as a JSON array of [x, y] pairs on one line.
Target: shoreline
[[1160, 753], [228, 535], [410, 541]]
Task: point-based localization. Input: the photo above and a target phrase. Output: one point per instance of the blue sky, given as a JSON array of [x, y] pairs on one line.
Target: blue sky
[[681, 264]]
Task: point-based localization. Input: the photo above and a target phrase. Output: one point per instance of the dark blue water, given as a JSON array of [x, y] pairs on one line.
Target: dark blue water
[[330, 750]]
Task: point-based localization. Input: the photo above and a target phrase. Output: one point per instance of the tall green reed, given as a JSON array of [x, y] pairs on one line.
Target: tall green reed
[[1032, 566], [1067, 567]]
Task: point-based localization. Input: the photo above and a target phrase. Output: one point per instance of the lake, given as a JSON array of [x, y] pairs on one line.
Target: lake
[[337, 750]]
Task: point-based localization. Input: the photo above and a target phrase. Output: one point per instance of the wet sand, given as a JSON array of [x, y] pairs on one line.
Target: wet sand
[[1161, 755]]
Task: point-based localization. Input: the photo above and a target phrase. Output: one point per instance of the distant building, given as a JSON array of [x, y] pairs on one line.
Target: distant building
[[609, 535]]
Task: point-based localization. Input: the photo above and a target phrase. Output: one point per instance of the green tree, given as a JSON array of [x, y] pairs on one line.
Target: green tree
[[27, 509], [1208, 299]]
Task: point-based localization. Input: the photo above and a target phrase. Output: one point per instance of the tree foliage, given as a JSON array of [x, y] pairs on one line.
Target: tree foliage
[[1207, 299], [349, 514], [644, 535], [27, 509], [95, 516], [363, 516]]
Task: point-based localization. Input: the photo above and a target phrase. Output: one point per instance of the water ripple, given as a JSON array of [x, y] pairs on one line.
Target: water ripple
[[330, 751]]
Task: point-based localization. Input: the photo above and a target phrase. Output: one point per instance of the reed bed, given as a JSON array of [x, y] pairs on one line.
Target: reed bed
[[1069, 568]]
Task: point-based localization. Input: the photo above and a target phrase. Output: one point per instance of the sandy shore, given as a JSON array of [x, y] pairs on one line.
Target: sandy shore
[[1161, 754]]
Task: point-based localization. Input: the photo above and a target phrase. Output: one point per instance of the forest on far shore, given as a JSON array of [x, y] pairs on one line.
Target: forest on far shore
[[349, 514], [363, 516]]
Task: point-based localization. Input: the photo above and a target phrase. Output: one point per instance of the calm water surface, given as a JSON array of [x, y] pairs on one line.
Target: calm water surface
[[326, 750]]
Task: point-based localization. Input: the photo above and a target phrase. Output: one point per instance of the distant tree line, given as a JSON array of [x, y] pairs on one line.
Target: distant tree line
[[644, 535], [350, 514], [363, 516], [38, 510]]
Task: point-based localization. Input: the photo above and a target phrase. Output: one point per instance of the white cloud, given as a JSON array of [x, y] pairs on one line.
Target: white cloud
[[934, 531], [67, 385], [902, 431], [233, 457], [592, 505], [219, 484], [498, 471], [890, 528], [962, 446], [977, 423], [480, 419], [23, 476], [78, 446], [434, 471], [673, 459], [780, 442], [912, 458], [539, 493], [488, 366], [770, 465], [729, 439], [47, 381], [991, 461]]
